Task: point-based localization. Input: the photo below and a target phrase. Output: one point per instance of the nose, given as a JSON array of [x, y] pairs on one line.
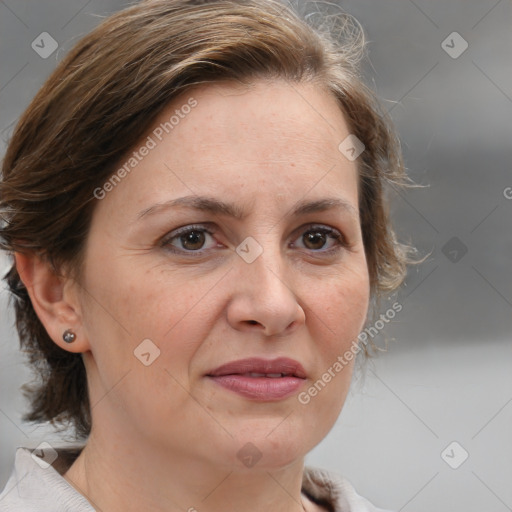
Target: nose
[[263, 296]]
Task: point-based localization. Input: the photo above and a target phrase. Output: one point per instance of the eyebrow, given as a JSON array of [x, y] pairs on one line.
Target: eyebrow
[[216, 206]]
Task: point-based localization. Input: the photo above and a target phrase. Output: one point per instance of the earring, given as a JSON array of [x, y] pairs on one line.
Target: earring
[[69, 336]]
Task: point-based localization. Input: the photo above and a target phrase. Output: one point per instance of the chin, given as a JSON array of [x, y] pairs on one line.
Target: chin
[[271, 446]]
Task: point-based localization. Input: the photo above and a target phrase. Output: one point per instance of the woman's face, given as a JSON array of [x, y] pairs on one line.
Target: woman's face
[[170, 293]]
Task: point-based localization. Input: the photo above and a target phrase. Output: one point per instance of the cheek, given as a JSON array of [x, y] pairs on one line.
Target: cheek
[[134, 303], [133, 296], [339, 309], [325, 395], [340, 305]]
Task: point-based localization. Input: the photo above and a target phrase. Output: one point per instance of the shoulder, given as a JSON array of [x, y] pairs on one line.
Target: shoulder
[[35, 485], [334, 492]]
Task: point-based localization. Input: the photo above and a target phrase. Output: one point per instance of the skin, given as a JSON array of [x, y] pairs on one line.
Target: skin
[[164, 436]]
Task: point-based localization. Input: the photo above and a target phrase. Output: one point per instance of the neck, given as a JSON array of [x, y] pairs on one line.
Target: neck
[[117, 476]]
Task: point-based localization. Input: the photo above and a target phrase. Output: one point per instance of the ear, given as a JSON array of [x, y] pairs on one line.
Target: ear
[[55, 300]]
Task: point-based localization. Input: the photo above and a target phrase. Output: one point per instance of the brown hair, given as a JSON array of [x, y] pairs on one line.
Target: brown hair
[[103, 97]]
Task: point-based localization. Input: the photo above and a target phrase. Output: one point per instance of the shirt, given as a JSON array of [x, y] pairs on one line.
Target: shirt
[[34, 488]]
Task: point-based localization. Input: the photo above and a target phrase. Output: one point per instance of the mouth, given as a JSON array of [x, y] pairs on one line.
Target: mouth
[[260, 379]]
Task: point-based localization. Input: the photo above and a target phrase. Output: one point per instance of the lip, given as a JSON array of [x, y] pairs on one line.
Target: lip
[[265, 385], [259, 365]]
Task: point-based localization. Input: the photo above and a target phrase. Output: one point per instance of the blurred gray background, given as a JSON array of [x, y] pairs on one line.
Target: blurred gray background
[[446, 377]]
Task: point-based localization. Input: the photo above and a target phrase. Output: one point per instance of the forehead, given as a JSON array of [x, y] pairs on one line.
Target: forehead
[[228, 138], [285, 117]]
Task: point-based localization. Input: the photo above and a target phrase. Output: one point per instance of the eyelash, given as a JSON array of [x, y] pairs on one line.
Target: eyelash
[[332, 233]]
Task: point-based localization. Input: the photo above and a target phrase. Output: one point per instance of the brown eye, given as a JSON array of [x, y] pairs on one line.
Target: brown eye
[[314, 240], [317, 237], [193, 240], [188, 240]]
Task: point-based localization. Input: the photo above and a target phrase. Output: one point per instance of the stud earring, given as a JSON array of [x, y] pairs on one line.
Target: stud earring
[[69, 336]]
